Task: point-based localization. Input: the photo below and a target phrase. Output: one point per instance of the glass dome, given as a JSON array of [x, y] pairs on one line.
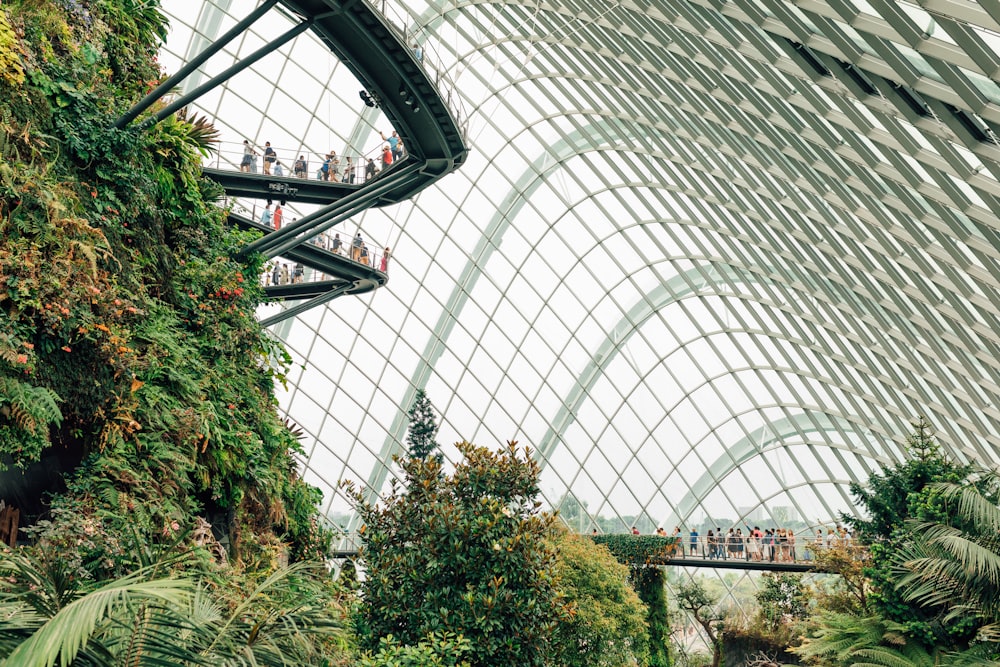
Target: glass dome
[[709, 259]]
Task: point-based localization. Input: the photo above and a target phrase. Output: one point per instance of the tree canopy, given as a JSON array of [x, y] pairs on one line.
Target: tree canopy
[[464, 553]]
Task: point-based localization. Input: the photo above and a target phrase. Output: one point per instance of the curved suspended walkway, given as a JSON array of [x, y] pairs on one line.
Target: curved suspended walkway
[[396, 80]]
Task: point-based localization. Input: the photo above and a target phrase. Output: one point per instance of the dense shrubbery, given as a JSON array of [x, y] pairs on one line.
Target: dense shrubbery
[[470, 553], [464, 553], [926, 593], [129, 348]]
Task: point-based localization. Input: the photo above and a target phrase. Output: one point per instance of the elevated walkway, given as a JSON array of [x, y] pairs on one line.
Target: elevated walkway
[[340, 275], [395, 80], [376, 53], [378, 56], [719, 564], [283, 188], [340, 268]]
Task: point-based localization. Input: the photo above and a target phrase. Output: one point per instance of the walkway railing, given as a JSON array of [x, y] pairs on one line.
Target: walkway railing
[[398, 17], [285, 271], [346, 169], [281, 271], [801, 549], [801, 555]]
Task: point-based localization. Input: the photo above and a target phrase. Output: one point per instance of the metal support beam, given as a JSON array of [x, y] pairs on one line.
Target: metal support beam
[[305, 305], [194, 64], [281, 240], [229, 72]]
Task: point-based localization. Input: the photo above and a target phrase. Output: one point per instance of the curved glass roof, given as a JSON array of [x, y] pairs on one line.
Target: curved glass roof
[[708, 257]]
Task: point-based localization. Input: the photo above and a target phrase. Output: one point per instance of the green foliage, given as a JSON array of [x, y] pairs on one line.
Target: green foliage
[[847, 640], [128, 340], [638, 549], [606, 625], [783, 600], [11, 70], [694, 598], [650, 585], [48, 615], [26, 414], [956, 564], [436, 650], [848, 592], [898, 495], [463, 553], [423, 427]]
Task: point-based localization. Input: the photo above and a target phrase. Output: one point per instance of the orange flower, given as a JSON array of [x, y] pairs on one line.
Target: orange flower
[[66, 348]]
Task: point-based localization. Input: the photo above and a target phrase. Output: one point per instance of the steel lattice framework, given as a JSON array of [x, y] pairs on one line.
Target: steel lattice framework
[[708, 257]]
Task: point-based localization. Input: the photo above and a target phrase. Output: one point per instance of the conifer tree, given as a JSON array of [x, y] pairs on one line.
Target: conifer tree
[[423, 427]]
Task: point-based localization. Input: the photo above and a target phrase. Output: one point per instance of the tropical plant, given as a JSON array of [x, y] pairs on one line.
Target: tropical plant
[[649, 583], [638, 550], [436, 650], [464, 553], [848, 591], [130, 349], [606, 624], [847, 640], [49, 615], [782, 600], [956, 564], [902, 494]]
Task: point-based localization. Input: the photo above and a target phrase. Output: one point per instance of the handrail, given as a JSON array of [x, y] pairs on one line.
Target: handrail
[[397, 17], [290, 272], [296, 272], [229, 155], [803, 552]]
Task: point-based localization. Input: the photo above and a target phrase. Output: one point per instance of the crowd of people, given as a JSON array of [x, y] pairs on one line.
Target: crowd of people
[[331, 168], [779, 545], [280, 273]]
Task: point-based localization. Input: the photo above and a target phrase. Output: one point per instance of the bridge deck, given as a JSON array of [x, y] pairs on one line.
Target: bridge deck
[[281, 188], [378, 56], [715, 563]]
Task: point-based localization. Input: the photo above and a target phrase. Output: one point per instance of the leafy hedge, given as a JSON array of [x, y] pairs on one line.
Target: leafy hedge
[[638, 549]]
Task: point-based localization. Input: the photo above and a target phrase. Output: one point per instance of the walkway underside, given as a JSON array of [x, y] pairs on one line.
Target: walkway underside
[[344, 274], [281, 188]]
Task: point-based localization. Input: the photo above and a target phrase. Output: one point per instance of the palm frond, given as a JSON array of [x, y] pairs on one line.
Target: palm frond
[[971, 504], [68, 631]]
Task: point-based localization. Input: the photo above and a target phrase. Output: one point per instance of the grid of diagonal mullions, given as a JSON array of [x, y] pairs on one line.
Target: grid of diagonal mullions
[[695, 259]]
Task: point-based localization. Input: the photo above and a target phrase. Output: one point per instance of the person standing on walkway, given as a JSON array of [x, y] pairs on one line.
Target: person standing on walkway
[[384, 266], [248, 153], [265, 216], [270, 157], [279, 213], [356, 247]]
